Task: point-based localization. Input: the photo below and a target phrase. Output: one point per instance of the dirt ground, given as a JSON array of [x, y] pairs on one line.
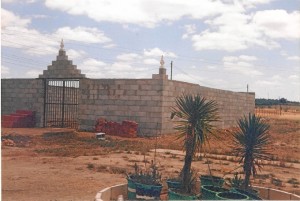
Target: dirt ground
[[60, 164]]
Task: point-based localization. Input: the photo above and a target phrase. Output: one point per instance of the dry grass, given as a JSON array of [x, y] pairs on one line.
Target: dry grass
[[116, 154]]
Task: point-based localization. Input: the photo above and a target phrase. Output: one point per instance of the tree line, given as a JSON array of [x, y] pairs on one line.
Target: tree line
[[269, 102]]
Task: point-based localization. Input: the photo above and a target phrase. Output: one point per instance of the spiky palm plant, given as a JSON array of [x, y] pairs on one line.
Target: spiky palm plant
[[251, 144], [195, 116]]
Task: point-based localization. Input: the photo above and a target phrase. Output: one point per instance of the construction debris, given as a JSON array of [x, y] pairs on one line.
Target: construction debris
[[126, 129]]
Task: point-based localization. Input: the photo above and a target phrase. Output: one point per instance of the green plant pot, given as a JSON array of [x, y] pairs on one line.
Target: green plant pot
[[172, 195], [211, 180], [231, 196], [173, 184], [148, 192], [131, 189], [208, 192], [252, 195]]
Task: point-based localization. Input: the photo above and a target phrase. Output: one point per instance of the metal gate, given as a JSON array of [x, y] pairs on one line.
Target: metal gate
[[61, 103]]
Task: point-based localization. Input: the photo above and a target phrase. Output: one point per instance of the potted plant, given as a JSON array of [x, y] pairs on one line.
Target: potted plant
[[147, 184], [180, 193], [251, 141], [237, 184], [194, 122]]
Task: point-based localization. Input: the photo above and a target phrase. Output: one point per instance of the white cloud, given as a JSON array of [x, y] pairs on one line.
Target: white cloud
[[33, 73], [278, 23], [241, 64], [248, 58], [27, 40], [275, 80], [109, 45], [156, 52], [234, 31], [82, 34], [130, 28], [147, 13], [189, 29], [9, 19], [151, 61], [187, 78], [93, 68], [129, 65], [294, 58], [231, 32], [254, 3], [8, 1], [263, 83], [93, 63], [5, 71], [75, 54], [128, 57], [294, 77], [16, 34], [21, 1], [294, 80], [240, 58], [121, 66], [39, 16]]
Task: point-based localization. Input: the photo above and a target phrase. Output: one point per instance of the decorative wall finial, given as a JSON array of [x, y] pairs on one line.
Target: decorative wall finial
[[162, 62], [62, 44]]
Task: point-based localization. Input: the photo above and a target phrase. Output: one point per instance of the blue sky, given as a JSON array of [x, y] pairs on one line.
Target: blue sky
[[223, 44]]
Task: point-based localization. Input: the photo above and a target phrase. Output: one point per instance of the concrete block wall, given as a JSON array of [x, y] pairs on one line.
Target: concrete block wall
[[232, 105], [23, 94], [149, 102], [146, 101], [62, 68], [139, 100]]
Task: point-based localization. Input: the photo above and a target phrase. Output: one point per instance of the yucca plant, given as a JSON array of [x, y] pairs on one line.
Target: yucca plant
[[194, 123], [251, 141]]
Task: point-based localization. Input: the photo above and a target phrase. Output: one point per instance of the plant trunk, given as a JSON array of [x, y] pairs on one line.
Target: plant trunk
[[188, 161], [247, 170]]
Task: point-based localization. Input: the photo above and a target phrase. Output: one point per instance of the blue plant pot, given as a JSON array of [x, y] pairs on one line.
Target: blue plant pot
[[173, 184], [148, 192], [231, 196], [177, 196], [211, 180], [131, 189], [209, 192]]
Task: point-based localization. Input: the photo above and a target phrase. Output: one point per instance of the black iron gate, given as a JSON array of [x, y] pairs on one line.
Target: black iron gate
[[61, 103]]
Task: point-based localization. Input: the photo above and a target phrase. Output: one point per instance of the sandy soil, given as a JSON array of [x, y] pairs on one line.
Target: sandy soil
[[59, 164]]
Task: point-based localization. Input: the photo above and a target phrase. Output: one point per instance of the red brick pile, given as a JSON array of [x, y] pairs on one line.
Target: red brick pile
[[126, 129], [20, 119]]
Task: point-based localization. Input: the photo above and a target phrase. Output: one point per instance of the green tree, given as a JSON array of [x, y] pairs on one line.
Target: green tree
[[194, 122], [251, 141], [283, 101]]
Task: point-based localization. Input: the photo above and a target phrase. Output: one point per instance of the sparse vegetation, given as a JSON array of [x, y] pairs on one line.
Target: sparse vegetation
[[293, 181], [276, 181], [90, 166], [50, 150]]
